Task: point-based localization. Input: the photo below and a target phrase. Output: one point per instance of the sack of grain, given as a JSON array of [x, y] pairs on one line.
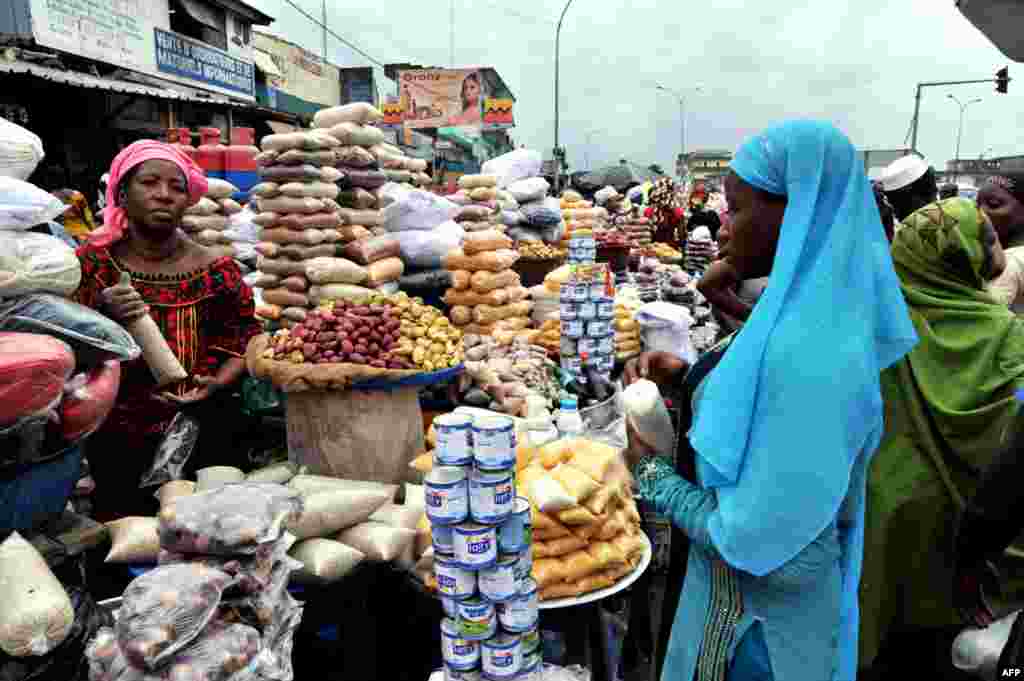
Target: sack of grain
[[36, 615]]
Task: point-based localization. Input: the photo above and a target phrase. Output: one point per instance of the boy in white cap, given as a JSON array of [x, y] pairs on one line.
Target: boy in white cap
[[909, 184]]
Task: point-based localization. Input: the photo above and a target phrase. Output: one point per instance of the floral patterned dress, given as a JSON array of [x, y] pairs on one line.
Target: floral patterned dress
[[207, 317]]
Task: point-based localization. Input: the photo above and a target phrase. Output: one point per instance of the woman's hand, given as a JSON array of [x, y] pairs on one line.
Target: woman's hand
[[660, 367], [718, 285], [637, 450], [206, 387], [123, 304]]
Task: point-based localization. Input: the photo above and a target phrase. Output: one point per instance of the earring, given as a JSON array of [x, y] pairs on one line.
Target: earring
[[122, 198]]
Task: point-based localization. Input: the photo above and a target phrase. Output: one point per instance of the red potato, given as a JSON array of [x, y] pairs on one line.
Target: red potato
[[357, 358], [347, 347]]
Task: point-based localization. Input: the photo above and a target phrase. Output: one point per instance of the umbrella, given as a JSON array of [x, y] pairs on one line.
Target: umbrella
[[621, 176]]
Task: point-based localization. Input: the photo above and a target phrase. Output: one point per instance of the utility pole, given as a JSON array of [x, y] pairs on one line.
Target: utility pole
[[1001, 80], [451, 35], [682, 116], [959, 133], [325, 36], [558, 150]]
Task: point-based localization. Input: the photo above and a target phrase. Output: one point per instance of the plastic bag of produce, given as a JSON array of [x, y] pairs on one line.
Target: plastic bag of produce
[[355, 157], [275, 662], [646, 412], [324, 560], [253, 574], [428, 279], [529, 190], [37, 614], [327, 511], [93, 338], [165, 609], [173, 452], [279, 473], [133, 540], [20, 151], [33, 372], [86, 406], [427, 248], [24, 205], [36, 263], [220, 189], [229, 520], [513, 166], [542, 214], [666, 327], [357, 135], [326, 270], [378, 541], [417, 209]]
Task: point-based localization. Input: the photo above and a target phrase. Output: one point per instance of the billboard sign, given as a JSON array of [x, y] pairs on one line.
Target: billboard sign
[[439, 98], [186, 58], [498, 113]]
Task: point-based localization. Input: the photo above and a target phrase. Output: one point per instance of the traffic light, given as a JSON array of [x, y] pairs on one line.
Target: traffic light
[[1002, 79]]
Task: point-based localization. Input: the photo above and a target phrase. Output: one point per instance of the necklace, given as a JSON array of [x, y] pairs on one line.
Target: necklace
[[155, 255]]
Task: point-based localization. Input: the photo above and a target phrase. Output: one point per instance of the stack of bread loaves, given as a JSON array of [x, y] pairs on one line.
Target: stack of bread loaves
[[207, 221]]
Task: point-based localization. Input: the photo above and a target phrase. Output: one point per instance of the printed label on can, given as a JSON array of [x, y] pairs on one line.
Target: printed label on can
[[519, 614], [515, 534], [494, 442], [606, 345], [502, 657], [524, 568], [490, 501], [572, 329], [454, 440], [606, 310], [443, 538], [598, 329], [587, 346], [531, 640], [586, 311], [453, 580], [447, 502], [566, 293], [498, 584], [449, 606], [458, 653], [476, 619], [567, 311], [475, 546], [580, 292]]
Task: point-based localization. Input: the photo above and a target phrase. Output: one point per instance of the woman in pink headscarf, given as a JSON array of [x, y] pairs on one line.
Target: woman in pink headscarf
[[198, 300]]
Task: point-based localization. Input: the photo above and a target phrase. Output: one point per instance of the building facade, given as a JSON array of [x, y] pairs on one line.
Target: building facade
[[974, 171], [708, 165]]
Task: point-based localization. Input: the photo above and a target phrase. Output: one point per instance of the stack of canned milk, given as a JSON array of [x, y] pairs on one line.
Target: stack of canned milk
[[587, 311], [482, 535]]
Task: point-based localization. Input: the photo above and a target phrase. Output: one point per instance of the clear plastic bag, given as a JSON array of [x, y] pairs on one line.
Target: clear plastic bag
[[231, 520], [174, 451], [164, 610], [24, 205], [647, 413], [253, 574]]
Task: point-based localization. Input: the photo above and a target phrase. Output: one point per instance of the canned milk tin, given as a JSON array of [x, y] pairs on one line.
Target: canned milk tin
[[458, 653], [499, 584], [606, 309], [453, 580], [531, 663], [598, 329], [587, 346], [566, 293], [606, 345], [451, 674], [476, 619], [567, 311], [476, 546], [443, 538], [521, 615], [572, 329], [524, 568], [450, 606], [531, 640], [447, 495], [582, 242], [567, 346], [491, 497], [494, 441], [502, 657], [593, 361], [454, 439], [572, 364], [516, 533], [580, 292], [586, 311]]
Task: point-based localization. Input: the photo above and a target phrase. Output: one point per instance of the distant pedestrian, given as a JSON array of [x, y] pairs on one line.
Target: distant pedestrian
[[909, 184]]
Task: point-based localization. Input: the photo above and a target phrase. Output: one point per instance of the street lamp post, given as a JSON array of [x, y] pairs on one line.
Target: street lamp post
[[960, 131], [682, 115], [586, 150], [558, 34]]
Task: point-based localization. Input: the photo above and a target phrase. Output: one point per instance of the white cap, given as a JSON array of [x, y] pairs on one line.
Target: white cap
[[903, 172]]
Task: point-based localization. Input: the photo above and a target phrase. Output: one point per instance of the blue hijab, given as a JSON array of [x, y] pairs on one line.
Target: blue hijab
[[795, 405]]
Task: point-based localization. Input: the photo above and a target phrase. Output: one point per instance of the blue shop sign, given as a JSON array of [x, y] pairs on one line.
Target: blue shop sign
[[186, 58]]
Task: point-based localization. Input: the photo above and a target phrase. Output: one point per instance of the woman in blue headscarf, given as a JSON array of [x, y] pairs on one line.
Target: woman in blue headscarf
[[785, 424]]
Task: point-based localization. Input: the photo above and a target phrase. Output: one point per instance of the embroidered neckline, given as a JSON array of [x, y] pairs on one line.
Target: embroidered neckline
[[164, 278]]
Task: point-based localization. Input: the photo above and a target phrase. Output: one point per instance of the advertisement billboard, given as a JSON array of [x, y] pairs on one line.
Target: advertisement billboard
[[135, 34], [437, 98]]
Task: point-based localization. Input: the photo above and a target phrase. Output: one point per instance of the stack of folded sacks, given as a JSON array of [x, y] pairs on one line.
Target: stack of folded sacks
[[580, 214], [539, 216], [217, 606], [207, 221], [638, 229], [586, 526], [422, 222], [295, 206], [486, 294], [701, 251], [627, 329], [478, 201]]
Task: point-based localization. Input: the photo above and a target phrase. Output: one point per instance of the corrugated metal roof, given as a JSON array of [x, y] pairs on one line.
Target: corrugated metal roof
[[85, 80]]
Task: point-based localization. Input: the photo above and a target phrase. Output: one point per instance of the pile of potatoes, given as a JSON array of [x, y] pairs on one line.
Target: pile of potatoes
[[427, 337]]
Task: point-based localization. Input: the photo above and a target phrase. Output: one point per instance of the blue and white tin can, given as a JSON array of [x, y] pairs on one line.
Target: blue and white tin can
[[450, 607], [531, 640], [447, 495], [587, 346], [598, 329], [516, 533], [572, 329], [580, 292], [443, 538], [499, 584], [476, 546], [454, 439], [567, 311], [532, 664], [502, 657], [453, 580], [606, 309], [606, 345], [451, 674], [459, 653], [524, 568], [494, 442], [521, 614], [491, 497], [586, 311], [476, 620]]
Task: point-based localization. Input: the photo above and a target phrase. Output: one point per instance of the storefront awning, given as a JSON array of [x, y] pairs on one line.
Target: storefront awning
[[85, 80], [282, 128], [265, 64]]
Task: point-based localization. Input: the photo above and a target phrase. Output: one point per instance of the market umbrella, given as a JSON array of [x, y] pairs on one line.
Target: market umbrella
[[621, 176]]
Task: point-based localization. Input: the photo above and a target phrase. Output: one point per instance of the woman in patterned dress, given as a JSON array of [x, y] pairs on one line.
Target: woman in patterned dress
[[785, 425], [197, 299]]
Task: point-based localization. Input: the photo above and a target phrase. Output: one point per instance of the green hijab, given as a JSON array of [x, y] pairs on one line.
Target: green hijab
[[947, 405]]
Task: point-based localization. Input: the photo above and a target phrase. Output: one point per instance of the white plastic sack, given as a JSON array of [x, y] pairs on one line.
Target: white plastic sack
[[426, 249], [37, 614], [390, 192], [242, 225], [37, 263], [378, 541], [977, 651], [602, 195], [20, 151], [665, 327], [324, 561], [325, 512], [646, 410], [513, 166], [24, 205], [417, 210], [526, 190]]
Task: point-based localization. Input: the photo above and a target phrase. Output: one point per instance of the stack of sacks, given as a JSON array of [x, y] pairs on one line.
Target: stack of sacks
[[486, 294], [701, 251], [423, 224], [627, 329], [217, 606], [638, 229], [20, 151], [546, 305], [400, 168], [299, 218], [58, 359], [580, 214], [513, 166], [586, 525], [541, 217], [243, 234], [478, 201], [207, 221]]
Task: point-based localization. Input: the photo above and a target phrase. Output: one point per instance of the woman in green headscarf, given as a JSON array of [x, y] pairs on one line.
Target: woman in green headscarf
[[947, 404]]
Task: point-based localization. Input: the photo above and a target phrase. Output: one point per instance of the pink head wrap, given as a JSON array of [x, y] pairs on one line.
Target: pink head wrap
[[115, 220]]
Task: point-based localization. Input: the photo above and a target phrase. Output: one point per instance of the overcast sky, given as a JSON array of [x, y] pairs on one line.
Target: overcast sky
[[854, 62]]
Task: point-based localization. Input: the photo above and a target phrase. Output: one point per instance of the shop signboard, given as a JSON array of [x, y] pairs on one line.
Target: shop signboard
[[437, 98], [125, 33], [498, 113]]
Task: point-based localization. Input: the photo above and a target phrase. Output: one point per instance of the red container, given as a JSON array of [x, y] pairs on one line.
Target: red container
[[184, 143], [210, 154], [240, 160]]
